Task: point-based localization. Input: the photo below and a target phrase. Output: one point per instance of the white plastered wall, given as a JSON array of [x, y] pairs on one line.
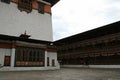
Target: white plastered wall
[[52, 55], [3, 53], [13, 22]]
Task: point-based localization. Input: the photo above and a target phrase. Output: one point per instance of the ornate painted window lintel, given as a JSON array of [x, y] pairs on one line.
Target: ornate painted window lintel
[[25, 5]]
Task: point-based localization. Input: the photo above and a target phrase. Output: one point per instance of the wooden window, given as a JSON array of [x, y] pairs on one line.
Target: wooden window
[[6, 1], [34, 56], [41, 8], [25, 5], [38, 56], [20, 55], [7, 61], [29, 57]]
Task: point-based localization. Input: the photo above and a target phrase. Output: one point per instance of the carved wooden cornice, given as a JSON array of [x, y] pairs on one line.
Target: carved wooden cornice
[[28, 5]]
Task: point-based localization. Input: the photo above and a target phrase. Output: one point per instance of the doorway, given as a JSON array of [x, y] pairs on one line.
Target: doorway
[[7, 61], [48, 61], [53, 62]]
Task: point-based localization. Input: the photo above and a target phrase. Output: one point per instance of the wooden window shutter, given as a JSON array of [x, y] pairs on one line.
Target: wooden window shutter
[[6, 1], [25, 5], [41, 7]]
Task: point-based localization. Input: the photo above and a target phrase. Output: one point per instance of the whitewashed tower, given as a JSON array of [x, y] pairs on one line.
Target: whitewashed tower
[[32, 16]]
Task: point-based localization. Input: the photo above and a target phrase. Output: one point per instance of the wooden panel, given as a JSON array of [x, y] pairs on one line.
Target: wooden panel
[[47, 8], [41, 7], [25, 5], [6, 1], [17, 63], [7, 61], [14, 1], [47, 61], [51, 50], [35, 5], [5, 45], [53, 62]]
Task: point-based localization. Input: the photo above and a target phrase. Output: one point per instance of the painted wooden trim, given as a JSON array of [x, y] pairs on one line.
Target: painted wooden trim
[[35, 6], [7, 45], [51, 49], [47, 9]]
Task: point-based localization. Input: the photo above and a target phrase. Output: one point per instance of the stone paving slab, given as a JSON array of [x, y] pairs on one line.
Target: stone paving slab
[[63, 74]]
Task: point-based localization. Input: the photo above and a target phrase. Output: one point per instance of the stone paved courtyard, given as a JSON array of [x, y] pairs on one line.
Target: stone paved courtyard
[[63, 74]]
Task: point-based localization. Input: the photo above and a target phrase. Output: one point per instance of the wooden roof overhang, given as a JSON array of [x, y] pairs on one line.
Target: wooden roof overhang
[[52, 2], [24, 42], [98, 32], [14, 38]]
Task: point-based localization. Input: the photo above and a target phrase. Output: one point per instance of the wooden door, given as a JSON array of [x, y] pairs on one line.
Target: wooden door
[[53, 62], [47, 61], [7, 61]]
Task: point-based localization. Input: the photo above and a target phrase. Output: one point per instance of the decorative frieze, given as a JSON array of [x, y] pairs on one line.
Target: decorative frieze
[[6, 1], [28, 5]]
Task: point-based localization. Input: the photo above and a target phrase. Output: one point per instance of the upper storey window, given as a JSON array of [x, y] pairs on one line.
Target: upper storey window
[[6, 1], [25, 5], [41, 7]]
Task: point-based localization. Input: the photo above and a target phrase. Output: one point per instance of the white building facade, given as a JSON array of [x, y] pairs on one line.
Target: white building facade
[[15, 20], [27, 54], [17, 50]]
